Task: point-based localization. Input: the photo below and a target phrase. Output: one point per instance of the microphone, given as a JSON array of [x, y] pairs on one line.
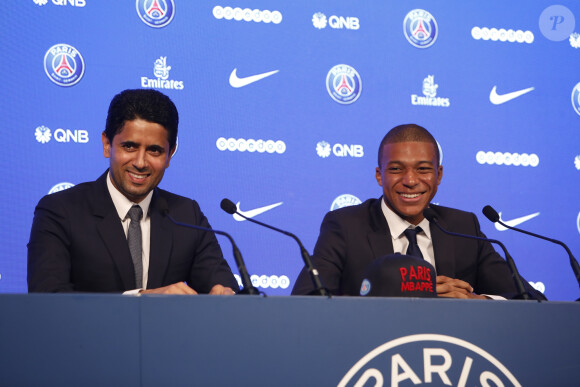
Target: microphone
[[246, 282], [492, 215], [229, 207], [432, 217]]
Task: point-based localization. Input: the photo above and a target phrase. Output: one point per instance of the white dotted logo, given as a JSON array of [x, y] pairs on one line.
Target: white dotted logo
[[265, 281], [251, 145], [506, 158], [42, 134], [577, 162], [248, 15], [40, 2], [502, 35]]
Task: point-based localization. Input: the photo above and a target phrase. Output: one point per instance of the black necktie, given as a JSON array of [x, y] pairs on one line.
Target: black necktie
[[134, 240], [413, 249]]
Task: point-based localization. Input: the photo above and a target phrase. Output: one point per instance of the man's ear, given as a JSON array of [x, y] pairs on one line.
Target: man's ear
[[378, 176], [171, 153], [106, 145], [439, 174]]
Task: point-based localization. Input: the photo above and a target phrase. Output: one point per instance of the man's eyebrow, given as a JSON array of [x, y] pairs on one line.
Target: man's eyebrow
[[129, 142], [156, 147]]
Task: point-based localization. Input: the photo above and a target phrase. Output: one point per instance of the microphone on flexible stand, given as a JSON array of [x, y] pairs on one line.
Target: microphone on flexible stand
[[246, 282], [229, 207], [493, 216], [431, 216]]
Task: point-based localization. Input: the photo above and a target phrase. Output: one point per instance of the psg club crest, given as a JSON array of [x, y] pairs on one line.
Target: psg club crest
[[420, 28], [576, 98], [156, 13], [343, 84], [64, 65]]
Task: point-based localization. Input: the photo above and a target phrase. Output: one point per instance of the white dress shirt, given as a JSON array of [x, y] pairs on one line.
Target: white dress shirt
[[123, 205], [397, 227]]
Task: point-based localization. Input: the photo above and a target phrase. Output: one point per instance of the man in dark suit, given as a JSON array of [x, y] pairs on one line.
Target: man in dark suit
[[409, 173], [113, 235]]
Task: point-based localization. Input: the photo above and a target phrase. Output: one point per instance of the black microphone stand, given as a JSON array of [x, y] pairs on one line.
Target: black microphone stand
[[248, 288], [430, 215], [229, 207]]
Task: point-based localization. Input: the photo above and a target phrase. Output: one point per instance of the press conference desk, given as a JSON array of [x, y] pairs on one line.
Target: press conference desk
[[113, 340]]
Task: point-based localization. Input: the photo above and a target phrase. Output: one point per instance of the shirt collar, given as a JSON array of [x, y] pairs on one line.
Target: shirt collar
[[397, 225], [122, 204]]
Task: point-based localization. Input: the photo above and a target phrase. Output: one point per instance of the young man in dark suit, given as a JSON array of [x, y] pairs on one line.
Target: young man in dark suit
[[409, 173], [113, 235]]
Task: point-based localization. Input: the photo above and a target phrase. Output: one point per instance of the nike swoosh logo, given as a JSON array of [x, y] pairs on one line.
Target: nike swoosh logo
[[514, 222], [254, 212], [241, 82], [498, 99]]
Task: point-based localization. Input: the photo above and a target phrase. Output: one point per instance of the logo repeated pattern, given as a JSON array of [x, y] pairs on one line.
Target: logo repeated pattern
[[254, 86]]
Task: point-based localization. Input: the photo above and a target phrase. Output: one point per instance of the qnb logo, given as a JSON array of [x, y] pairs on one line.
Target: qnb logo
[[238, 14], [577, 162], [74, 3], [506, 158], [337, 22], [251, 145], [420, 28], [64, 65], [343, 84], [429, 358], [345, 200], [155, 13], [44, 135], [576, 98], [60, 187], [265, 281], [162, 81], [429, 97], [323, 149], [502, 35]]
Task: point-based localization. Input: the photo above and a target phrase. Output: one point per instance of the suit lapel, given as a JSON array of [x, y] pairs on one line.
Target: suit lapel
[[443, 249], [380, 238], [111, 232], [161, 241]]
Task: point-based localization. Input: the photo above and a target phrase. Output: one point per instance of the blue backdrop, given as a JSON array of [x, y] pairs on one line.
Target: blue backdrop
[[497, 83]]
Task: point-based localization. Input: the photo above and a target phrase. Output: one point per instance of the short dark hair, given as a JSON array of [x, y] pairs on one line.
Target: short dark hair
[[408, 133], [146, 104]]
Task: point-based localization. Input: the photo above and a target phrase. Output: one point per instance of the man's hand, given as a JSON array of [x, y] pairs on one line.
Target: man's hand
[[221, 290], [455, 288], [176, 288]]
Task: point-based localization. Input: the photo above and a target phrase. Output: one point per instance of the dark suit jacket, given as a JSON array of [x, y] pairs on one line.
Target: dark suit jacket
[[77, 243], [350, 238]]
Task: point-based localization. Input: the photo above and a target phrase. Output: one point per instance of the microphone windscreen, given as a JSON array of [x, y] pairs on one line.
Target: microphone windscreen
[[228, 206], [429, 214], [490, 213]]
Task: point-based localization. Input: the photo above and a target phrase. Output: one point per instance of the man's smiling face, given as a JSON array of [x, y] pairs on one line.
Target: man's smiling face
[[139, 155], [409, 173]]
